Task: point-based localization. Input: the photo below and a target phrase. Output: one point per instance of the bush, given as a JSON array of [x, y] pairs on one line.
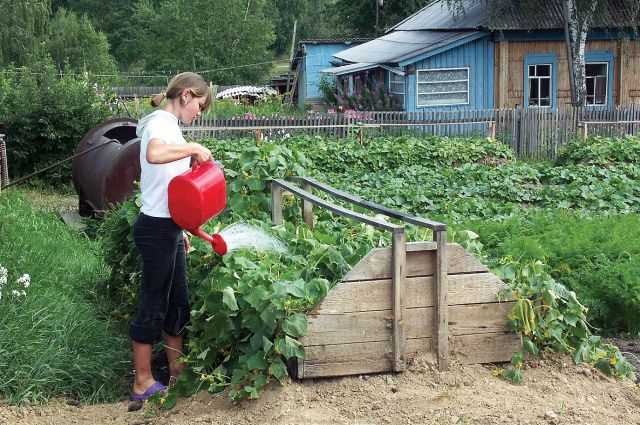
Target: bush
[[601, 151], [46, 116], [597, 257]]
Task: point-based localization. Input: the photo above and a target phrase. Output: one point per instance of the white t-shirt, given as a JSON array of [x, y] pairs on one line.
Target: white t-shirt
[[155, 178]]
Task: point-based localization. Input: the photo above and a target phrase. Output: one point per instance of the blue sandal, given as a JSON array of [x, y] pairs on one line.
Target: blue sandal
[[150, 392]]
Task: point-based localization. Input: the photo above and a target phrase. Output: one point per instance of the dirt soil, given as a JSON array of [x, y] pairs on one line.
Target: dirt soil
[[555, 391]]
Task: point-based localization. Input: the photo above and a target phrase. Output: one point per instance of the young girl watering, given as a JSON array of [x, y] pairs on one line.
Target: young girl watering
[[163, 307]]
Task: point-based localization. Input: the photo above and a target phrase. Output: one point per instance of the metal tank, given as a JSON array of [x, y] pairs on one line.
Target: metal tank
[[106, 175]]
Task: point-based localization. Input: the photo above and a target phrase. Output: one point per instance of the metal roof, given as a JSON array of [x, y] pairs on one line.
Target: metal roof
[[515, 16], [398, 46], [348, 69], [335, 40], [356, 67]]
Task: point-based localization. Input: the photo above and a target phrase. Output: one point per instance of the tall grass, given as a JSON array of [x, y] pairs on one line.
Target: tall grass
[[52, 342]]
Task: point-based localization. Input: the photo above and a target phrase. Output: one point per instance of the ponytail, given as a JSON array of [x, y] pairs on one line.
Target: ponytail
[[157, 99]]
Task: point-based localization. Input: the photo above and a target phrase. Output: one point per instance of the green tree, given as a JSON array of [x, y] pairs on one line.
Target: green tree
[[313, 21], [76, 46], [358, 17], [225, 38], [114, 18], [22, 27]]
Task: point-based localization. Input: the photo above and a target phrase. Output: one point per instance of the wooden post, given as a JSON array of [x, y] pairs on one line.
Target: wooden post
[[398, 273], [441, 322], [276, 204], [584, 130], [492, 129], [307, 207], [503, 74], [214, 93], [4, 169]]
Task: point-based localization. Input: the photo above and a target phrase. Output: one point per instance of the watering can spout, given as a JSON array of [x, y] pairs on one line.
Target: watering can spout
[[216, 240]]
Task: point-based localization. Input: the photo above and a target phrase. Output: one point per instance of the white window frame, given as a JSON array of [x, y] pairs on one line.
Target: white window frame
[[606, 85], [468, 91], [391, 74], [538, 79]]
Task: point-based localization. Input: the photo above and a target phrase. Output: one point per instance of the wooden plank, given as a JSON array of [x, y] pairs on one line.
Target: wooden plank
[[377, 264], [372, 326], [356, 359], [485, 348], [366, 295], [398, 283], [374, 357], [276, 204], [442, 301], [307, 207]]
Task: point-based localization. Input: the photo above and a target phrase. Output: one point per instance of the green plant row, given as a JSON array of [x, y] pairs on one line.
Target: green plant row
[[249, 307]]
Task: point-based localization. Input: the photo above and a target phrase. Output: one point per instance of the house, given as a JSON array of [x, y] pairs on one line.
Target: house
[[434, 60], [310, 58]]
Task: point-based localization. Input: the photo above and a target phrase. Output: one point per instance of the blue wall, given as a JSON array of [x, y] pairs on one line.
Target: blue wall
[[317, 57], [479, 56]]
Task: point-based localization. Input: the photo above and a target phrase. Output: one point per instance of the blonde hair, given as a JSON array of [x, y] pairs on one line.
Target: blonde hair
[[185, 80]]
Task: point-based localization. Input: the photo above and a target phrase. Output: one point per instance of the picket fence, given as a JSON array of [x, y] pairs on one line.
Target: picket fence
[[532, 132]]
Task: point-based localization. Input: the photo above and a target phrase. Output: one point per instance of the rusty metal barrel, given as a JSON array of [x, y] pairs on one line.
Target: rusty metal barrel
[[106, 176]]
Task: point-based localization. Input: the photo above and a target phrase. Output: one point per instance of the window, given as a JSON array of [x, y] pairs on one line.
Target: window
[[440, 87], [596, 73], [396, 86], [540, 84], [396, 83]]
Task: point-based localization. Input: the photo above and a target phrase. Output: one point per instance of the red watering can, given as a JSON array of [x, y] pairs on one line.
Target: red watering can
[[197, 195]]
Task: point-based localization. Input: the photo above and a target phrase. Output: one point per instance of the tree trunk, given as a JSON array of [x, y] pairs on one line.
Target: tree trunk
[[577, 25]]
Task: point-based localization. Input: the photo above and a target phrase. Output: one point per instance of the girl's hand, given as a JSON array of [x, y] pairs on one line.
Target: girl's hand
[[200, 153]]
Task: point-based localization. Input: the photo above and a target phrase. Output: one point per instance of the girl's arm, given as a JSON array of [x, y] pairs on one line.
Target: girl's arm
[[162, 153]]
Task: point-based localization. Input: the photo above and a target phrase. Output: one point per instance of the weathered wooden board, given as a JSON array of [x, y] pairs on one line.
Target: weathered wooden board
[[375, 357], [374, 326], [420, 262], [355, 359], [366, 295], [485, 348]]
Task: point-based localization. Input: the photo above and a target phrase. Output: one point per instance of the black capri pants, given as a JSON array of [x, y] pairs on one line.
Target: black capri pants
[[163, 303]]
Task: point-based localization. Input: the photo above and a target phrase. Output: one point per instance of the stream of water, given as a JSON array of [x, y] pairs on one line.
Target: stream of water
[[243, 235]]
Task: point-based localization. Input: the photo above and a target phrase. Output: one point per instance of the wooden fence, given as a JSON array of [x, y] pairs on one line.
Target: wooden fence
[[532, 133]]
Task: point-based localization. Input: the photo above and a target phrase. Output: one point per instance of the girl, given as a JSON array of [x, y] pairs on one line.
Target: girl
[[163, 307]]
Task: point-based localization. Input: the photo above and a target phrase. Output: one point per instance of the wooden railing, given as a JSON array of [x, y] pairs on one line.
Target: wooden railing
[[399, 250]]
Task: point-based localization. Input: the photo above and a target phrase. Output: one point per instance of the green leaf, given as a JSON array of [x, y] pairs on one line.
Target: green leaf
[[296, 325], [278, 369], [257, 361], [295, 288], [229, 299], [289, 348], [266, 344], [513, 375], [530, 347]]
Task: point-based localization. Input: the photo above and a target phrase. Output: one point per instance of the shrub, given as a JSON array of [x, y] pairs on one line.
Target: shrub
[[46, 116], [601, 151], [597, 257]]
